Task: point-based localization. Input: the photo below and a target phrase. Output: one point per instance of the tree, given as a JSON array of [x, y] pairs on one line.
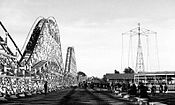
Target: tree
[[81, 73], [128, 70], [116, 72]]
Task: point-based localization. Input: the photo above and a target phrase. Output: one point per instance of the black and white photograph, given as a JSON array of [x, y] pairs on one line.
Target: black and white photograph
[[87, 52]]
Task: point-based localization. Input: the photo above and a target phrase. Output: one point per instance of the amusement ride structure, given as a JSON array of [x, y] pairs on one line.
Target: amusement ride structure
[[140, 61], [25, 72], [145, 57], [70, 66]]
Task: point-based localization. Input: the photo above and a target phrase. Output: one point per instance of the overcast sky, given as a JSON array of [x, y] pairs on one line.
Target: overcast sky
[[94, 27]]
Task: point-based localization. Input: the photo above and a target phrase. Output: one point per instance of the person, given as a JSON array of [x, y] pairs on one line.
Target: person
[[133, 90], [143, 91], [153, 90], [124, 87], [45, 87], [165, 88], [160, 88]]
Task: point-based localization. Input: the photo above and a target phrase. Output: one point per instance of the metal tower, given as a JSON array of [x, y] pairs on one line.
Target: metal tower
[[140, 65], [139, 59]]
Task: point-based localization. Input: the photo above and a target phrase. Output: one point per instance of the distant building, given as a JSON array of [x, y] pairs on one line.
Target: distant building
[[119, 77]]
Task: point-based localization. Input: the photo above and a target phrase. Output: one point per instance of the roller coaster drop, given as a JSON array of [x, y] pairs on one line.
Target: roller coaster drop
[[40, 60]]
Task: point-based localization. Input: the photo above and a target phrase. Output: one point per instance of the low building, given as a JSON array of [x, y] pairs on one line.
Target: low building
[[113, 78]]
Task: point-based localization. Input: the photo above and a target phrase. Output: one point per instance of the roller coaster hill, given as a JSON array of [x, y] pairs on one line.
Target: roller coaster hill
[[25, 71]]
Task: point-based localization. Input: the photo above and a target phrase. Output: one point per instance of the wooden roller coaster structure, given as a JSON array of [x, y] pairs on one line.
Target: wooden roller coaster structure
[[25, 72]]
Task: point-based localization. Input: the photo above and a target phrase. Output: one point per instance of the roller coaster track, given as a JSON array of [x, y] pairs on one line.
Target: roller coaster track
[[70, 65], [33, 40], [40, 59], [41, 40], [43, 37], [4, 46], [43, 29]]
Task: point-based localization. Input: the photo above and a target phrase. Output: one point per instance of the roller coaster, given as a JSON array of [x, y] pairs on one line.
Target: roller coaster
[[25, 72]]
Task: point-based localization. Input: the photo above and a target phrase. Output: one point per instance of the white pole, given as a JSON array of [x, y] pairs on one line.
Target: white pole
[[166, 79]]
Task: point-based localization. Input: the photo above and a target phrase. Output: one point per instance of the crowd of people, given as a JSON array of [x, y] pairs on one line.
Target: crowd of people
[[140, 90]]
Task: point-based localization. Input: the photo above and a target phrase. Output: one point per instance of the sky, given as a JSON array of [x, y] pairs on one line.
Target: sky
[[94, 28]]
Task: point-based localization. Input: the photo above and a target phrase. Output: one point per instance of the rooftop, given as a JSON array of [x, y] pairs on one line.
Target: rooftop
[[120, 76]]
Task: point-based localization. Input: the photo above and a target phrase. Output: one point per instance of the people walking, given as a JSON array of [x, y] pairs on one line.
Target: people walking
[[45, 87]]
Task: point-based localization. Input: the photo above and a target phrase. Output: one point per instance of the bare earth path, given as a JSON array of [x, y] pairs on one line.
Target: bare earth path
[[68, 97], [79, 96]]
